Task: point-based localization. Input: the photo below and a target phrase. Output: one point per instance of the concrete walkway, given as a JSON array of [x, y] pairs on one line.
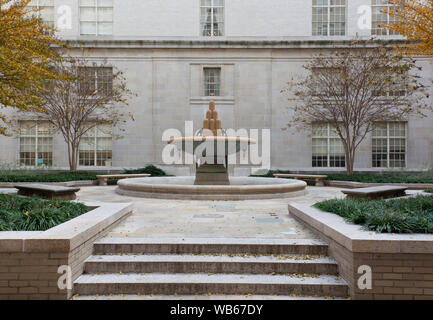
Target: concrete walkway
[[154, 218]]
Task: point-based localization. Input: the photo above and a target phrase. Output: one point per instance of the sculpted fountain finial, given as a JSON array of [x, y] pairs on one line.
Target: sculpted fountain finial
[[211, 123]]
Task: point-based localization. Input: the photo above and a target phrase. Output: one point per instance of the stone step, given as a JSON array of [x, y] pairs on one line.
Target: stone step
[[190, 284], [210, 264], [201, 297], [210, 245]]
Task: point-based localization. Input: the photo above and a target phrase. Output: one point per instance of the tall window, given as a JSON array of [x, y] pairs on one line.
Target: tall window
[[96, 17], [46, 10], [96, 147], [380, 18], [212, 18], [389, 145], [36, 143], [329, 17], [328, 150], [212, 82], [98, 79]]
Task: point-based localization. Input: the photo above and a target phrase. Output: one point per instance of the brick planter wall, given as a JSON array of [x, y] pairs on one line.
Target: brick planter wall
[[402, 265], [29, 261]]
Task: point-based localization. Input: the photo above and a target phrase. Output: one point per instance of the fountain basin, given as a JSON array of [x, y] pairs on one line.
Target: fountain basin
[[183, 188], [230, 144]]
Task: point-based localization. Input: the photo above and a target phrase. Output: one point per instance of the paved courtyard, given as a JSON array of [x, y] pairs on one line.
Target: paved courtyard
[[155, 218]]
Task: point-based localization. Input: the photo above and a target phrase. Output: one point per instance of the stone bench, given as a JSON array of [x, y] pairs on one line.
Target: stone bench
[[104, 178], [47, 191], [373, 193], [317, 178]]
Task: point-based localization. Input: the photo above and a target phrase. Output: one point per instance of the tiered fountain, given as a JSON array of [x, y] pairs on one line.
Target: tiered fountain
[[212, 181]]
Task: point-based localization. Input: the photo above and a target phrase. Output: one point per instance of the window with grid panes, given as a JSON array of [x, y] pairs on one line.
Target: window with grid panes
[[389, 145], [36, 143], [96, 17], [212, 18], [329, 17], [98, 79], [380, 18], [46, 10], [328, 150], [212, 82], [96, 147]]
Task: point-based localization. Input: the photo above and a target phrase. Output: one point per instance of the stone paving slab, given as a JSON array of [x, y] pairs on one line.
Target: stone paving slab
[[156, 218]]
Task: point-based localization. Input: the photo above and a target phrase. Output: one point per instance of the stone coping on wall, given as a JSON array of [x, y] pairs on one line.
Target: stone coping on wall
[[80, 183], [354, 184], [355, 239], [66, 236]]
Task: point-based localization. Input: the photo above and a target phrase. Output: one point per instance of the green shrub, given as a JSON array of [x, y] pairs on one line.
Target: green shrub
[[410, 215], [270, 173], [391, 177], [152, 170], [33, 214], [37, 176], [429, 190]]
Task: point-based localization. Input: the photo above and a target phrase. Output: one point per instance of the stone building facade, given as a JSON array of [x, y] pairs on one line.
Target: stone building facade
[[177, 55]]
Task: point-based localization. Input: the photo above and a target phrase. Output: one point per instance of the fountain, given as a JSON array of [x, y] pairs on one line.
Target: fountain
[[211, 146]]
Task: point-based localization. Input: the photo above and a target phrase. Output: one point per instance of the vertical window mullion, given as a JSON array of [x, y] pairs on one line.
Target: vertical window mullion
[[388, 141], [211, 19], [96, 80], [329, 146], [95, 148], [329, 20], [36, 144], [387, 20], [96, 18]]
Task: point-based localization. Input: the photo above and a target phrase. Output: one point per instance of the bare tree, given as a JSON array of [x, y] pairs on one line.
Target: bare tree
[[86, 95], [354, 87]]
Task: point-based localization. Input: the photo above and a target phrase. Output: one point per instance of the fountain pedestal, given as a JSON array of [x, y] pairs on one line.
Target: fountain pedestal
[[212, 174]]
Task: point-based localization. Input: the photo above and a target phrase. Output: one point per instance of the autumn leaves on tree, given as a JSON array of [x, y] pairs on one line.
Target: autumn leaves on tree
[[414, 20], [26, 52]]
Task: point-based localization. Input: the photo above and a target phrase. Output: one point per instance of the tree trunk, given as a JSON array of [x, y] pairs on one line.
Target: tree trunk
[[350, 161], [72, 150]]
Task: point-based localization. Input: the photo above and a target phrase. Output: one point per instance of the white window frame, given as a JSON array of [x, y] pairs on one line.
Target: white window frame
[[36, 136], [212, 6], [41, 7], [96, 69], [204, 83], [328, 137], [388, 20], [96, 6], [388, 144], [95, 148], [329, 6]]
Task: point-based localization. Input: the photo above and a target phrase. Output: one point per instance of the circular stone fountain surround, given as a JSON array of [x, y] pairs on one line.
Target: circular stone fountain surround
[[183, 188]]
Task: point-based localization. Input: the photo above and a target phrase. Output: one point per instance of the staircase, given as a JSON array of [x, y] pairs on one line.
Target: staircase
[[283, 267]]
